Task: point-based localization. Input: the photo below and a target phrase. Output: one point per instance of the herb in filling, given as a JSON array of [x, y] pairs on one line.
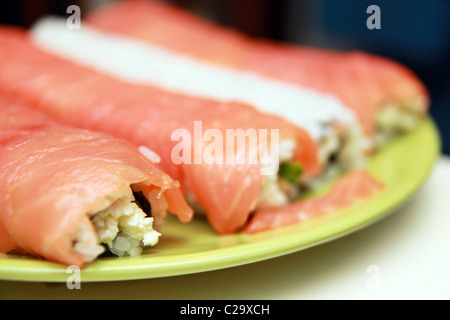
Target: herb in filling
[[290, 171]]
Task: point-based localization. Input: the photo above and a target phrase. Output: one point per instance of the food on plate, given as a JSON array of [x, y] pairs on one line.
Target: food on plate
[[347, 191], [386, 97], [178, 127], [68, 193]]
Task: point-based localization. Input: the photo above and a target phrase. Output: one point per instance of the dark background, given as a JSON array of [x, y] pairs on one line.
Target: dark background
[[414, 32]]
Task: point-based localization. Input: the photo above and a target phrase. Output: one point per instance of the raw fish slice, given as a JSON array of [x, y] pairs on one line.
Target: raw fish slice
[[55, 179], [350, 189]]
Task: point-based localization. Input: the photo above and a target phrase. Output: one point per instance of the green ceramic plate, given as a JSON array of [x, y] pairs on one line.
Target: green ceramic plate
[[403, 166]]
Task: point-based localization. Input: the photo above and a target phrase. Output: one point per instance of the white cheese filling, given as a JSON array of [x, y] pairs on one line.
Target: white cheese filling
[[393, 120], [339, 151], [125, 217], [121, 225]]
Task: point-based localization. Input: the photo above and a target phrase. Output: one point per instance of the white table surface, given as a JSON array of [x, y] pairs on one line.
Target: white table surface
[[404, 256]]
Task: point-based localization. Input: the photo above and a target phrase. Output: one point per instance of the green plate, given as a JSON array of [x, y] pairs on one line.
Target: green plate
[[403, 167]]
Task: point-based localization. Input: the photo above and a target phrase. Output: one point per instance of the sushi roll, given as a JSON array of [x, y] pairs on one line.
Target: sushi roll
[[68, 195], [387, 98]]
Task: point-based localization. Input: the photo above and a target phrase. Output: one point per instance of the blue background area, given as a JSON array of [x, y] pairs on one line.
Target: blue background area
[[414, 32]]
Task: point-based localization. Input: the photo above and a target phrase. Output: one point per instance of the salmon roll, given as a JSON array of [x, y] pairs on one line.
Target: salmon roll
[[68, 195], [387, 98], [196, 139]]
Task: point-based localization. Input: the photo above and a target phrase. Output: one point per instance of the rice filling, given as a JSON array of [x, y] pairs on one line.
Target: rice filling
[[124, 225], [394, 120], [340, 150]]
